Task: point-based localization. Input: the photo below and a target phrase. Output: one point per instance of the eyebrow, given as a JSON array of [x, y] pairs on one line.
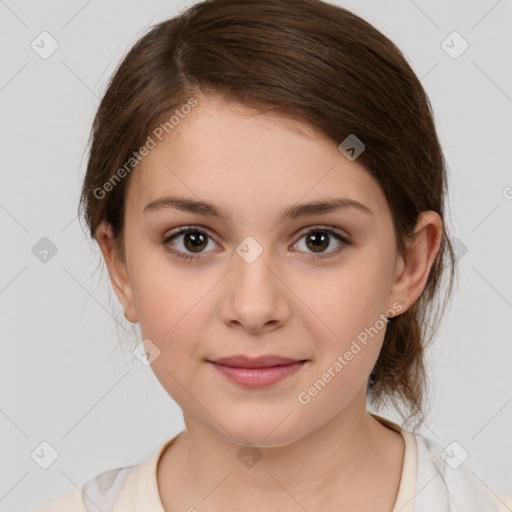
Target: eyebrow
[[291, 212]]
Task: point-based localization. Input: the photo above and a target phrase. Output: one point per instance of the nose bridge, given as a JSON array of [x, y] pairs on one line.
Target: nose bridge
[[252, 262], [256, 296]]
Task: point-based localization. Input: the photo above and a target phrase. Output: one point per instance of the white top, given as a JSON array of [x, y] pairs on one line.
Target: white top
[[427, 484]]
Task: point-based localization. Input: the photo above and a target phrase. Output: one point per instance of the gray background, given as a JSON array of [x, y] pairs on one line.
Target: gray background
[[63, 377]]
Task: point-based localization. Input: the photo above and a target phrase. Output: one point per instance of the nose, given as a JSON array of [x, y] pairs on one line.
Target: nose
[[254, 297]]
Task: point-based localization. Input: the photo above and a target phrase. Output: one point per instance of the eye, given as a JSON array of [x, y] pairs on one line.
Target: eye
[[193, 242], [319, 239], [193, 239]]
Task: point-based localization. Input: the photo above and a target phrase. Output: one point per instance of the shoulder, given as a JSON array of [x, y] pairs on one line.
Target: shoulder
[[502, 502], [122, 489], [101, 490], [449, 481], [69, 501]]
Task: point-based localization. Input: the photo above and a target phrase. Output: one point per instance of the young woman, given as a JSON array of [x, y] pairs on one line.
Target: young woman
[[268, 191]]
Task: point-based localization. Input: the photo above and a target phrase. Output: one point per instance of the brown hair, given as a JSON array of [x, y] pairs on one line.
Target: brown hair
[[318, 63]]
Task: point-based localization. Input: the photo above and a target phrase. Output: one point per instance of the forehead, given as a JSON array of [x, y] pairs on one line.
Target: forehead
[[236, 156]]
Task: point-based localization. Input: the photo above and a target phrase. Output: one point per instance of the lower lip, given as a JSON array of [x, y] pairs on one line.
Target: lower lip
[[258, 377]]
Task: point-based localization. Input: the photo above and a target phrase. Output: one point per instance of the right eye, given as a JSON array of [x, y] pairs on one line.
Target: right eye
[[192, 239]]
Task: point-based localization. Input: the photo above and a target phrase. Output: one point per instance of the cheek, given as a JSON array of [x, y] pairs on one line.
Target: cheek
[[344, 311], [167, 297], [173, 317], [344, 300]]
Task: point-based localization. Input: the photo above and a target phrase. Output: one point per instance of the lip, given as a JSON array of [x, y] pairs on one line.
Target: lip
[[265, 371], [268, 361]]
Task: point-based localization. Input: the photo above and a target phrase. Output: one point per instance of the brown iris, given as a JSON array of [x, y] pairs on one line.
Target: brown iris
[[319, 239], [197, 241]]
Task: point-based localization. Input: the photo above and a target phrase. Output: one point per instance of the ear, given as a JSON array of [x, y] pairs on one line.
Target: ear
[[413, 268], [117, 270]]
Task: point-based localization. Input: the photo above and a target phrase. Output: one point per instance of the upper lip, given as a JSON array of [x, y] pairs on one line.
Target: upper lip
[[255, 362]]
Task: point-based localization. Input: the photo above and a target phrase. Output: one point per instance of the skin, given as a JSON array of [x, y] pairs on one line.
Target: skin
[[288, 302]]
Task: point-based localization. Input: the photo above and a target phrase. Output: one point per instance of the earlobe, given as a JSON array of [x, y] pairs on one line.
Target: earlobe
[[117, 271], [414, 267]]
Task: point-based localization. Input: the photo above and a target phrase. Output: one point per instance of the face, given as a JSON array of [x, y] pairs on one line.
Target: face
[[316, 286]]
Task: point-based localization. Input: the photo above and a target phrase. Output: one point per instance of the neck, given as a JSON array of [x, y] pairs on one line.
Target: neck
[[339, 459]]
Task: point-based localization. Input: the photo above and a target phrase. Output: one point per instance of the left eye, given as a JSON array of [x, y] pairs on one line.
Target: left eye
[[195, 240], [319, 239]]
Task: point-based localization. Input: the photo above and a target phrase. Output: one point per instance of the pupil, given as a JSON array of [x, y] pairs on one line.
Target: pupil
[[317, 240], [196, 238]]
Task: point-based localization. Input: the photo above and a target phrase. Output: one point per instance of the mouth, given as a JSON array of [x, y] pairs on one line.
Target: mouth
[[268, 361], [257, 373]]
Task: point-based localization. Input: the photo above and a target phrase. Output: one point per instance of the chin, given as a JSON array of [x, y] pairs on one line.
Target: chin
[[265, 432]]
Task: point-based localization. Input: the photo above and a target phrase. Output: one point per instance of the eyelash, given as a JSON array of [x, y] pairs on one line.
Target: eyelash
[[191, 229]]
